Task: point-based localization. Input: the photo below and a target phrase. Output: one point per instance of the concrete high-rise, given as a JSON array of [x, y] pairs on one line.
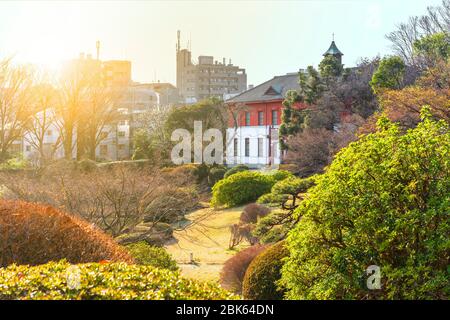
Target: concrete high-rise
[[208, 77]]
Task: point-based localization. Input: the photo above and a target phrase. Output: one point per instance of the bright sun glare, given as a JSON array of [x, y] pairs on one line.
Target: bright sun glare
[[45, 37]]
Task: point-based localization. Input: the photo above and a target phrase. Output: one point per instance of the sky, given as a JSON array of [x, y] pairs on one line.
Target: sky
[[267, 38]]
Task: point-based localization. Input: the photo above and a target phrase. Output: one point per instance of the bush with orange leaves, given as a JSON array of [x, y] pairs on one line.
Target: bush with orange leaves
[[234, 269], [35, 234]]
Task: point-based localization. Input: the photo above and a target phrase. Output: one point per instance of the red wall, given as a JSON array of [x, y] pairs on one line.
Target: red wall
[[266, 107], [254, 108]]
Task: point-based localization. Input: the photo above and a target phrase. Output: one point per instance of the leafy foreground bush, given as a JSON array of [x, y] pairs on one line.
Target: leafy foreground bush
[[215, 175], [244, 187], [260, 280], [383, 201], [236, 169], [148, 255], [36, 234], [60, 280], [234, 268]]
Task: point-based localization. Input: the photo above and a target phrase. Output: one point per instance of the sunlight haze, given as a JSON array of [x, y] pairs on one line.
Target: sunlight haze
[[250, 33]]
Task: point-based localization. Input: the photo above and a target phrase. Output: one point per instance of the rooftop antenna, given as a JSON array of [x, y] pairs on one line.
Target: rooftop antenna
[[97, 45], [333, 36], [178, 40]]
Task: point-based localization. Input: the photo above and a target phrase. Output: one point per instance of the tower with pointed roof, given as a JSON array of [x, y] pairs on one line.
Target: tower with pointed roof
[[334, 51]]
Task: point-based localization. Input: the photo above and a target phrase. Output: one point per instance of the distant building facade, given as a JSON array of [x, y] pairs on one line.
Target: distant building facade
[[116, 137], [254, 140], [111, 73], [207, 78]]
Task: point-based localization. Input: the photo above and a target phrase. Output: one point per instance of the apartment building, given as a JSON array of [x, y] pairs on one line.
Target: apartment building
[[207, 77]]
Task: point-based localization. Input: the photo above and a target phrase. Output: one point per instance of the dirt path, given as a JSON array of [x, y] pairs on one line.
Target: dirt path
[[207, 239]]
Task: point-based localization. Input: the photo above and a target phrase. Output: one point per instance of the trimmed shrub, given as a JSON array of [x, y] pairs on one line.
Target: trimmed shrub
[[260, 280], [202, 172], [234, 268], [383, 201], [216, 174], [148, 255], [252, 212], [279, 175], [36, 234], [236, 169], [105, 281], [274, 227], [239, 188], [272, 200]]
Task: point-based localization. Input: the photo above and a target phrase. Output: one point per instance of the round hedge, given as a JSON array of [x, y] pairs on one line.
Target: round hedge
[[215, 175], [149, 255], [36, 234], [236, 169], [263, 273], [245, 186], [102, 281], [239, 188]]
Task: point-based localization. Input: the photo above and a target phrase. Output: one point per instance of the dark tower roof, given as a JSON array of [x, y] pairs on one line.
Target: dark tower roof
[[333, 50]]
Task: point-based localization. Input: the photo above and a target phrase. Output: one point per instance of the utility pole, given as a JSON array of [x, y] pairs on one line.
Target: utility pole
[[97, 45]]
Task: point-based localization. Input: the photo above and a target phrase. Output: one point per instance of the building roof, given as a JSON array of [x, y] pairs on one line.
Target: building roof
[[273, 89], [333, 50]]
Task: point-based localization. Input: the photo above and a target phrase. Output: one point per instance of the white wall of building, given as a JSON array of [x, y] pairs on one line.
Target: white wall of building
[[253, 133]]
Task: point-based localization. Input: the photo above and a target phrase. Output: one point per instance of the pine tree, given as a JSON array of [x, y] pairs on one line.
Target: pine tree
[[293, 118]]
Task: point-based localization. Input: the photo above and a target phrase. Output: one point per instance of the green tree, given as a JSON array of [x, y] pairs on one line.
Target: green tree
[[293, 117], [383, 201], [211, 112], [311, 85], [389, 74], [142, 143], [433, 48], [330, 67]]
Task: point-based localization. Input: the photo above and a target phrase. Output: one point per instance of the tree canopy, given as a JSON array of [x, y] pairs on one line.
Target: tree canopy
[[383, 201]]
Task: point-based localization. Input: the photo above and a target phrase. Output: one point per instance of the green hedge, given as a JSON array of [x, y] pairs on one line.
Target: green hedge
[[244, 187], [59, 280], [148, 255], [239, 188], [216, 174], [236, 169], [263, 273]]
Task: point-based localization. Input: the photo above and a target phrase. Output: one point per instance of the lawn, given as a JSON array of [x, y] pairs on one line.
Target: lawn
[[206, 237]]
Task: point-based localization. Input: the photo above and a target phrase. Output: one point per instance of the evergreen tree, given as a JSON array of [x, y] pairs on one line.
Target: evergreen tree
[[293, 118], [330, 67]]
